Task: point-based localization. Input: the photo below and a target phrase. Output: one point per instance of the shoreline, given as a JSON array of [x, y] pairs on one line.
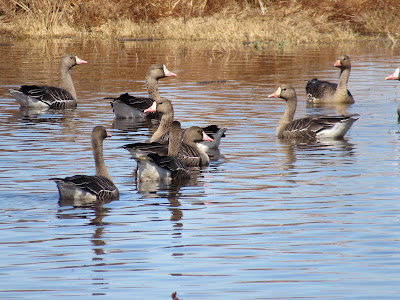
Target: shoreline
[[291, 24]]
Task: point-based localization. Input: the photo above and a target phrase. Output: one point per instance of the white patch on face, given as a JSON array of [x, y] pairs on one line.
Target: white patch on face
[[279, 91]]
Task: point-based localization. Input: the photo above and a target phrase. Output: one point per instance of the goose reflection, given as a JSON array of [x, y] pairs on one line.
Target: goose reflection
[[328, 149], [33, 115], [133, 125], [154, 186], [64, 118], [340, 108], [83, 210]]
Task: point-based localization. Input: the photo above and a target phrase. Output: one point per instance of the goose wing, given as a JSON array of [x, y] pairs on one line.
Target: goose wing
[[176, 166], [50, 95], [190, 155], [140, 103], [100, 186], [138, 149], [316, 89]]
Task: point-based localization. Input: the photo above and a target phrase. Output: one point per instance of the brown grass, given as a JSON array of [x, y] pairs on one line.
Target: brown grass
[[222, 21]]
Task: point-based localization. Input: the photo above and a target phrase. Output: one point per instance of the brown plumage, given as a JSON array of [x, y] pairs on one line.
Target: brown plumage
[[325, 91], [44, 96], [84, 187], [308, 128], [127, 106]]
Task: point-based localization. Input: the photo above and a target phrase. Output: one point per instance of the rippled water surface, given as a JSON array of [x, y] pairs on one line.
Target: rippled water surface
[[266, 220]]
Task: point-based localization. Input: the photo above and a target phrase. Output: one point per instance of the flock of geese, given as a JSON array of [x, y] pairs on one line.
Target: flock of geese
[[172, 151]]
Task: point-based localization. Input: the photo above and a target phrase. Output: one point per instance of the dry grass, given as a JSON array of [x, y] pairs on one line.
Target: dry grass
[[222, 21]]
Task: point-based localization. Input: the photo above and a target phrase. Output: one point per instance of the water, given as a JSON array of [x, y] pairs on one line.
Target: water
[[266, 220]]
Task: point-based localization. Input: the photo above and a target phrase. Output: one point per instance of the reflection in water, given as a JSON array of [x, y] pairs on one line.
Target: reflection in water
[[129, 125], [290, 215], [38, 116], [152, 186], [97, 241], [340, 108], [322, 148]]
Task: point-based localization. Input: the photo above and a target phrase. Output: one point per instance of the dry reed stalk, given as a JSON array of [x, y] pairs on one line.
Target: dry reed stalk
[[222, 21], [44, 17]]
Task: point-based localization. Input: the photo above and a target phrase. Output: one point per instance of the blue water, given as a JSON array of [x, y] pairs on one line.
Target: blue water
[[266, 220]]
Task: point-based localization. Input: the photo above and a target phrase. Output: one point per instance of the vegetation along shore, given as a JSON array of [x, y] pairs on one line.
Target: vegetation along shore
[[233, 21]]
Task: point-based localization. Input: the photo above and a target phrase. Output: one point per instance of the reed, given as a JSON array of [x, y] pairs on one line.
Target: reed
[[222, 21]]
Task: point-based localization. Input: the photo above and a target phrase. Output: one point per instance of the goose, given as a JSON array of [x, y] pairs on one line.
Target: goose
[[189, 151], [90, 188], [332, 127], [165, 108], [44, 97], [395, 76], [166, 168], [127, 106], [325, 91]]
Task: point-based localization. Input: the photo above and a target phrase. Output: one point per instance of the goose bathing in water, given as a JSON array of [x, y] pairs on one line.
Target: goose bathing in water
[[311, 128], [44, 96], [395, 76], [90, 188], [325, 91], [152, 166], [127, 106]]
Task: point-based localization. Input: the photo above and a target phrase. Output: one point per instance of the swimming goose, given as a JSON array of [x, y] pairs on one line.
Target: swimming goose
[[325, 91], [395, 76], [127, 106], [333, 127], [90, 188], [189, 151], [43, 97], [165, 108], [168, 168]]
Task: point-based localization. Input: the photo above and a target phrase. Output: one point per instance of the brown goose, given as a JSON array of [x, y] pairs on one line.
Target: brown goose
[[310, 128], [165, 108], [90, 188], [325, 91], [189, 151], [127, 106], [42, 96], [395, 76], [166, 168]]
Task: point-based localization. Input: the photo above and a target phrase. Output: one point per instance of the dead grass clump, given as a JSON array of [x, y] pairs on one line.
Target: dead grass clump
[[38, 17], [300, 21], [365, 17], [283, 25]]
